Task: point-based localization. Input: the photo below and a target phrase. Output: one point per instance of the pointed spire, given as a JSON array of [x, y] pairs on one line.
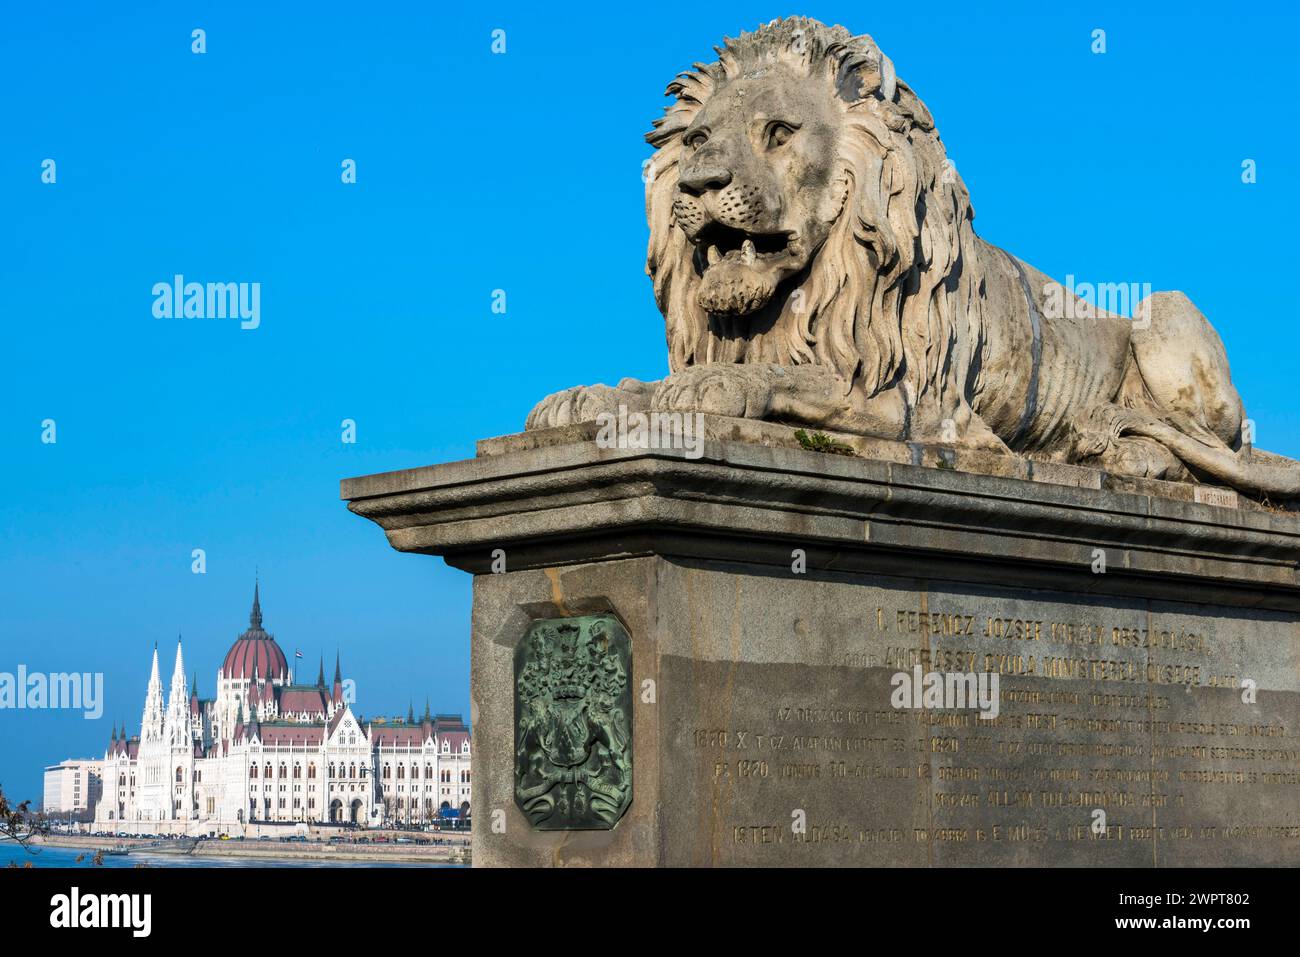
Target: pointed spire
[[194, 689], [320, 678], [338, 675], [410, 713], [178, 673], [115, 734], [255, 616], [427, 716]]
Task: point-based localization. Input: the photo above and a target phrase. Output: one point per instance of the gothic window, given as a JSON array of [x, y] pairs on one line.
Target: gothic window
[[179, 777], [297, 771], [311, 770], [252, 772], [415, 771], [401, 772], [269, 769]]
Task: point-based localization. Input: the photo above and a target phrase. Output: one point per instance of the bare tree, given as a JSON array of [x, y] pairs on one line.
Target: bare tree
[[19, 824]]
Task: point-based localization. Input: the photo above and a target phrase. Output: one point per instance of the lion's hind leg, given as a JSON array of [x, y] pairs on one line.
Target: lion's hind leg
[[1100, 440], [1184, 373]]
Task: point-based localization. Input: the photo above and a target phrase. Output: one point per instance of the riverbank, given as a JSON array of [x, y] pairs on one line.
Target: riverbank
[[455, 852]]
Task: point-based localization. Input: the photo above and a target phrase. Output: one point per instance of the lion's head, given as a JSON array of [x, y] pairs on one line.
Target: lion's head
[[801, 210]]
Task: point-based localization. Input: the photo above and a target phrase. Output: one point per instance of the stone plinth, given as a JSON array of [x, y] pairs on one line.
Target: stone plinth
[[772, 595]]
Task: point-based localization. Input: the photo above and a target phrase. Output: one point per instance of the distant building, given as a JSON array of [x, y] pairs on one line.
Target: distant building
[[73, 788], [267, 750]]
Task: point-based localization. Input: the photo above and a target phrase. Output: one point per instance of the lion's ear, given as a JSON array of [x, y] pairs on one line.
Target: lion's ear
[[866, 72]]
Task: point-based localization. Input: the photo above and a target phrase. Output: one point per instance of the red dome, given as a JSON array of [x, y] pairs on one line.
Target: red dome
[[255, 651], [260, 656]]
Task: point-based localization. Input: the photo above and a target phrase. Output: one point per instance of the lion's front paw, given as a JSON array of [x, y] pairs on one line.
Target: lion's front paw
[[582, 403], [733, 390]]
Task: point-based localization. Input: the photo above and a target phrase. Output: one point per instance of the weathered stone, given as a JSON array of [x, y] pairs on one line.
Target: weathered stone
[[773, 596], [984, 613], [813, 254]]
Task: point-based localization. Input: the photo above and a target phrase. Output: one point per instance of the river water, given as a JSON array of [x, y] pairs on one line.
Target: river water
[[67, 857]]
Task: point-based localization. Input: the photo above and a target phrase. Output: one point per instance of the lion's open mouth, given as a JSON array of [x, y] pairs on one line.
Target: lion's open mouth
[[723, 242], [741, 270]]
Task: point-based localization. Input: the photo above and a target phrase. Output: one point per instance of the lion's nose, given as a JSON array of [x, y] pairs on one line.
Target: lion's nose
[[699, 179]]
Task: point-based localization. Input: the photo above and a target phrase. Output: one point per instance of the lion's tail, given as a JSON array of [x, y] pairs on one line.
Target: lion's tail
[[1243, 471]]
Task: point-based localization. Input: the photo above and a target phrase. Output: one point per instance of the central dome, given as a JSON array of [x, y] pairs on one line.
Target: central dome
[[255, 651]]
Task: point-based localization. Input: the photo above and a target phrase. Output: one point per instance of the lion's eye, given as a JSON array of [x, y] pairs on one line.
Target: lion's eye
[[778, 134], [696, 140]]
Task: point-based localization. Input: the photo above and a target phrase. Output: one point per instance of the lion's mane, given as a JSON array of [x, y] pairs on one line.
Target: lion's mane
[[885, 300]]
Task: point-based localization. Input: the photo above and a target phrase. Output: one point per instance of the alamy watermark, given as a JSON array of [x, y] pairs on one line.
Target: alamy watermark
[[651, 430], [179, 299], [71, 690], [1088, 300], [938, 690]]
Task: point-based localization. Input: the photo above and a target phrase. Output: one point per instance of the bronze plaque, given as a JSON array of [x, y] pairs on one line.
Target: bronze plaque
[[573, 723]]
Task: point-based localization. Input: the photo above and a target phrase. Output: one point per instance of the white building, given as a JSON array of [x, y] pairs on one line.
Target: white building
[[266, 750], [72, 787]]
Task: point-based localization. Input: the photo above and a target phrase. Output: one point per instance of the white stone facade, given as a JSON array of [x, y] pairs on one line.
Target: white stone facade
[[267, 751]]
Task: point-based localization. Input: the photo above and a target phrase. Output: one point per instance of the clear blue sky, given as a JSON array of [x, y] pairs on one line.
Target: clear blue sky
[[476, 172]]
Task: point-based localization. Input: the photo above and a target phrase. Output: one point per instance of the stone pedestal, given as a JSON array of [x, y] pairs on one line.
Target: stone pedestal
[[773, 595]]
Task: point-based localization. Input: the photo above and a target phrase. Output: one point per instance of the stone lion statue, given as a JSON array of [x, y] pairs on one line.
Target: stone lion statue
[[813, 254]]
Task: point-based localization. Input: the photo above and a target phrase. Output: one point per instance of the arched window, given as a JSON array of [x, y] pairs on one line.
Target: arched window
[[269, 770], [352, 770], [297, 771], [401, 772], [311, 770], [252, 772], [179, 778], [415, 772]]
